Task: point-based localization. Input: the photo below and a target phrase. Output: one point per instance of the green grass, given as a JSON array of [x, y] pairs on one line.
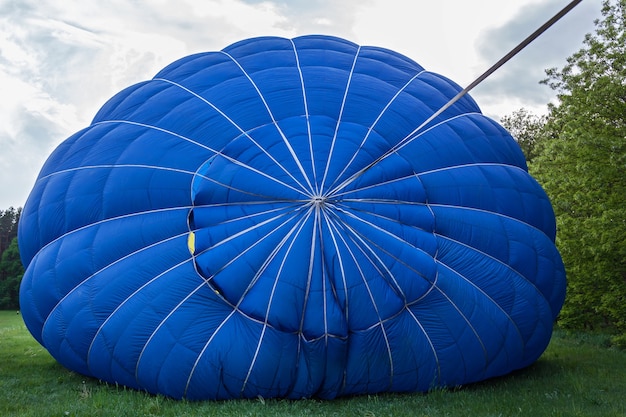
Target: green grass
[[579, 375]]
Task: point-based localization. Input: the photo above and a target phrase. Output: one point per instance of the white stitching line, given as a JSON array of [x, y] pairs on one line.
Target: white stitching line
[[204, 282], [282, 134], [369, 291], [339, 117], [145, 125], [369, 130], [249, 192], [113, 263], [420, 174], [363, 237], [306, 111], [246, 134], [253, 281], [430, 342], [271, 298], [87, 167], [394, 149]]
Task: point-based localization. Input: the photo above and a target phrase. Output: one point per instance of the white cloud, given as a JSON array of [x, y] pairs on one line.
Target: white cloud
[[60, 61], [438, 35]]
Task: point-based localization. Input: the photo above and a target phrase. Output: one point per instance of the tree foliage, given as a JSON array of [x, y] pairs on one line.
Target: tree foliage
[[582, 166], [8, 226], [11, 273], [11, 270], [527, 129]]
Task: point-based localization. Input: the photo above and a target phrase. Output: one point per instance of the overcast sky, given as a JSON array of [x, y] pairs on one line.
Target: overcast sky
[[61, 60]]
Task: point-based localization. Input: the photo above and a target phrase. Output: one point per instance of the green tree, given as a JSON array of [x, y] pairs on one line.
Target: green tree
[[11, 273], [582, 166], [8, 226], [527, 129]]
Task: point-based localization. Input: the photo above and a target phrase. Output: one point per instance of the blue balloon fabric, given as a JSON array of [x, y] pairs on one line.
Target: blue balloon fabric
[[273, 220]]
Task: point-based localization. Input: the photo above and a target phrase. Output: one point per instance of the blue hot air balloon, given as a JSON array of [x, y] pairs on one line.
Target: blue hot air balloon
[[273, 219]]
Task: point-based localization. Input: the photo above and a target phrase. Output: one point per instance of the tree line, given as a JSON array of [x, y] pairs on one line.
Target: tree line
[[11, 269], [577, 152]]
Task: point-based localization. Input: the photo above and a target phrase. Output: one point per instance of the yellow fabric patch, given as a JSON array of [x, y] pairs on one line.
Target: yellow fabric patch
[[191, 243]]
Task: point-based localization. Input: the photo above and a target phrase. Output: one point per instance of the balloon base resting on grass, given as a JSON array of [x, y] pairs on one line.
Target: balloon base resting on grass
[[270, 220]]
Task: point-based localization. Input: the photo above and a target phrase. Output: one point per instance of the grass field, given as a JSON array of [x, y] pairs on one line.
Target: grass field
[[577, 376]]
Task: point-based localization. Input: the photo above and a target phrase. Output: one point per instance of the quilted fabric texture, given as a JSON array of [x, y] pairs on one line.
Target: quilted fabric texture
[[272, 219]]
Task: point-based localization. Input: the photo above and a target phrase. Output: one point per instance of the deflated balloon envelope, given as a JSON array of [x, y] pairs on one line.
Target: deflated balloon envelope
[[271, 219]]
